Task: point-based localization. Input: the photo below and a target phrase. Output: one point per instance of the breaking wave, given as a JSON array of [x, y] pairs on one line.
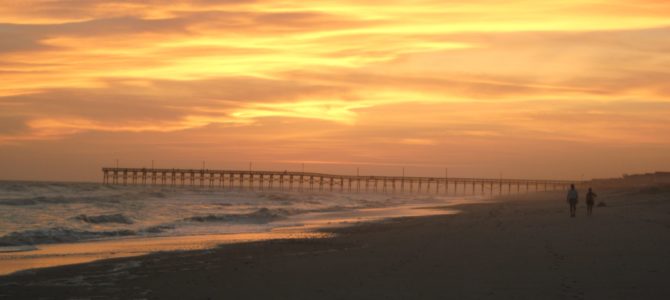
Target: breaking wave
[[33, 201], [68, 235], [115, 218], [58, 235], [263, 215]]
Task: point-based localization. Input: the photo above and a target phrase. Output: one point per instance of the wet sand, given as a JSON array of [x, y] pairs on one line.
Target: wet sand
[[525, 247]]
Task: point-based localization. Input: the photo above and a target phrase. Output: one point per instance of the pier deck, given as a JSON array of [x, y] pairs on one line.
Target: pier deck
[[307, 181]]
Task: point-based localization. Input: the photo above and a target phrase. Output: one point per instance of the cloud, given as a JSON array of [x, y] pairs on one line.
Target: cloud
[[12, 124], [221, 23], [338, 111], [50, 12], [132, 105], [421, 142], [352, 80]]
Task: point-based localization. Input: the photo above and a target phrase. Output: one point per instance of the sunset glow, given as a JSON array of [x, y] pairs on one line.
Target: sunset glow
[[534, 89]]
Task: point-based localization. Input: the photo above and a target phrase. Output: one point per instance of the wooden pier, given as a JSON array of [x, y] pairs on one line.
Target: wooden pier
[[305, 181]]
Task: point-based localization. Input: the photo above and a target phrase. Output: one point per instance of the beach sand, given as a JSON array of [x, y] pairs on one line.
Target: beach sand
[[517, 247]]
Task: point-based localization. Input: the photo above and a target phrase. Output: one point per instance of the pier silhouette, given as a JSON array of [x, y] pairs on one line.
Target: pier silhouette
[[309, 181]]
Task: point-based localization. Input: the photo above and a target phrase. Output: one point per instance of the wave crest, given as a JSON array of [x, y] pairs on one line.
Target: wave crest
[[114, 218], [263, 215], [57, 235]]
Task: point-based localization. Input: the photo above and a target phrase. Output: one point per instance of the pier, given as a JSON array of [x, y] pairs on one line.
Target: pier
[[307, 181]]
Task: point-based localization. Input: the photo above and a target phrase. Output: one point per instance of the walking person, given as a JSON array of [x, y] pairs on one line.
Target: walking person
[[572, 200], [590, 200]]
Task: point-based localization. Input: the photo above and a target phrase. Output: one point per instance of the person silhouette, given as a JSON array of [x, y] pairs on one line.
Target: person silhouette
[[590, 200], [572, 200]]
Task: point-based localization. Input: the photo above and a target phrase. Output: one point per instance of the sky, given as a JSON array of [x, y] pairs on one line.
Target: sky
[[482, 88]]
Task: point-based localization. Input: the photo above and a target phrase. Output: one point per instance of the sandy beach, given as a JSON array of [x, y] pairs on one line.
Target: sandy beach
[[517, 247]]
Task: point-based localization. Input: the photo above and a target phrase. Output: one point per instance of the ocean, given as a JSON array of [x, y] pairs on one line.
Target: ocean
[[38, 213]]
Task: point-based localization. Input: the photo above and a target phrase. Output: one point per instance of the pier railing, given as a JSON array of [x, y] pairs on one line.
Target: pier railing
[[307, 181]]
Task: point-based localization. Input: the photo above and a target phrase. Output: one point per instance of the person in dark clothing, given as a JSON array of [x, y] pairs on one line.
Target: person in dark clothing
[[590, 200], [572, 200]]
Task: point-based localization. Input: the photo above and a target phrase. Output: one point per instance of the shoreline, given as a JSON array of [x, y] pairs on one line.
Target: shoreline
[[309, 225], [526, 248]]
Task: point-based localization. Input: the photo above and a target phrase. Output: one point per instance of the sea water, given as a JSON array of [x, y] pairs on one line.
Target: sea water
[[38, 216]]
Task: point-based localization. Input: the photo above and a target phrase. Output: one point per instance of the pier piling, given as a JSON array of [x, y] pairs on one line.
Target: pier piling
[[302, 181]]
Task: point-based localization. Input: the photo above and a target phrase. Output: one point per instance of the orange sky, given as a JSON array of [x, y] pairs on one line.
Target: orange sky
[[538, 89]]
